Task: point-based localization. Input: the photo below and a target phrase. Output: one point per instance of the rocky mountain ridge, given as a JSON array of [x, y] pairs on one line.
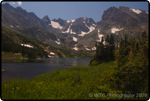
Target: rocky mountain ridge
[[76, 34]]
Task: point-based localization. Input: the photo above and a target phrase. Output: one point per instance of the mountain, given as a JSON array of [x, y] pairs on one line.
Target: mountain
[[75, 34], [123, 19], [71, 30], [74, 28], [118, 21], [15, 45], [27, 23], [17, 17], [46, 20], [79, 26]]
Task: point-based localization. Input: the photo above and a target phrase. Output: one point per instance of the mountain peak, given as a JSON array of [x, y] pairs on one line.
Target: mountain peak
[[21, 10], [46, 17], [7, 5], [46, 20], [112, 9], [122, 7]]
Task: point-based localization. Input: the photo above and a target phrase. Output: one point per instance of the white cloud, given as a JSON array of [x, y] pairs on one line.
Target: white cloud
[[19, 3]]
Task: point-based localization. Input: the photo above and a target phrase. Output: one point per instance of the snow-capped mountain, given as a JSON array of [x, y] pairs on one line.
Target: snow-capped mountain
[[78, 27], [71, 29], [78, 33], [118, 21]]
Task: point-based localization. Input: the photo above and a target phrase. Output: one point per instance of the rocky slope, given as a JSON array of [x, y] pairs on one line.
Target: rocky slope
[[118, 21]]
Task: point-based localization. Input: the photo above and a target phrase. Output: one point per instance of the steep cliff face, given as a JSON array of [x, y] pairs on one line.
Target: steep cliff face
[[118, 21], [122, 19]]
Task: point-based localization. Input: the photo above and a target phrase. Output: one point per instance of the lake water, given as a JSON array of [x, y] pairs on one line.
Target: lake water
[[28, 69]]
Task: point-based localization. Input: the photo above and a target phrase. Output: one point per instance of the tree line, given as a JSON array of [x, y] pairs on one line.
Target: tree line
[[131, 55], [132, 64], [104, 49], [8, 45]]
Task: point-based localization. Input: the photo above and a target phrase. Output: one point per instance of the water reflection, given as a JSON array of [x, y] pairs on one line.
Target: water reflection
[[32, 67], [27, 70]]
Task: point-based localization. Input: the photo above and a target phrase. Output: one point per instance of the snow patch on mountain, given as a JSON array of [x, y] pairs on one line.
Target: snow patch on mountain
[[27, 45], [71, 32], [56, 25], [94, 25], [51, 53], [75, 48], [136, 10], [146, 12], [82, 33], [91, 28], [75, 39], [49, 56], [94, 48], [86, 48], [11, 26], [17, 26], [98, 31], [113, 30], [72, 20], [68, 21], [58, 41], [104, 43], [68, 30], [100, 36]]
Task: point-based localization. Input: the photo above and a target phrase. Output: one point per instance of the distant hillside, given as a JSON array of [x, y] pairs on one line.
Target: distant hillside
[[33, 48]]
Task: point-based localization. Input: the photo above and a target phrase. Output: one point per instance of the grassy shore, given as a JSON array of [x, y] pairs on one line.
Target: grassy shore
[[73, 83], [10, 55]]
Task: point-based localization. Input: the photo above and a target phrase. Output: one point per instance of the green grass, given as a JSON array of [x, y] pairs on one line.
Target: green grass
[[11, 55], [72, 83]]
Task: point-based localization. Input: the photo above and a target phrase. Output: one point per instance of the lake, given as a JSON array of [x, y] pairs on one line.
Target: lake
[[28, 69]]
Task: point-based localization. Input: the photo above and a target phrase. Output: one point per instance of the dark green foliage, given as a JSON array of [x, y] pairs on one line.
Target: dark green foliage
[[105, 51], [11, 42], [131, 73]]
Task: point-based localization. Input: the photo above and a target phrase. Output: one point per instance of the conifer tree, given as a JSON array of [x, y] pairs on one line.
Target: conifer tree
[[112, 46], [131, 73]]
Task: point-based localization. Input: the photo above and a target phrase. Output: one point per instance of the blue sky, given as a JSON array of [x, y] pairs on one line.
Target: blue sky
[[73, 10]]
